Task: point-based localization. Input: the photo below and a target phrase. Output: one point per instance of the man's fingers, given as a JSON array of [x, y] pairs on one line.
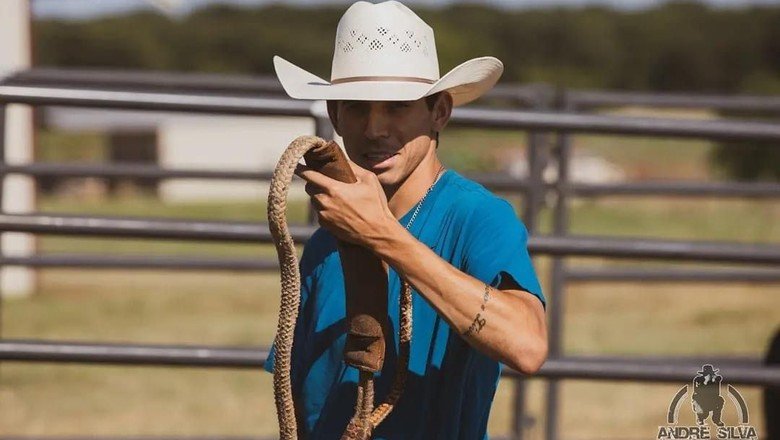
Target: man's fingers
[[317, 202], [314, 177], [313, 189], [300, 167], [357, 169]]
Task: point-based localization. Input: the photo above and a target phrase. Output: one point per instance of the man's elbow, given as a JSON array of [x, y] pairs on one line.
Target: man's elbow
[[531, 357]]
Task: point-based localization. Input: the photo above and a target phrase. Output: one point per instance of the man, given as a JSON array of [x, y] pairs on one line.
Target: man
[[477, 302]]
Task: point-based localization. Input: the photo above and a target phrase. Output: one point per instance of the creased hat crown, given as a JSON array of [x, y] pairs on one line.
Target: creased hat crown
[[384, 40]]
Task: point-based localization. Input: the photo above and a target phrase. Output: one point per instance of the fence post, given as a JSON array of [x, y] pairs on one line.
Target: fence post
[[534, 198], [558, 272], [772, 394], [2, 189], [537, 156]]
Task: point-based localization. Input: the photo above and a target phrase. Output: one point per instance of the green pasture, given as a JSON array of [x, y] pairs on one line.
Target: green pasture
[[240, 309]]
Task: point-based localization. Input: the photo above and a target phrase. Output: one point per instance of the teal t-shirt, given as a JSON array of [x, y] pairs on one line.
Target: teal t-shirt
[[450, 386]]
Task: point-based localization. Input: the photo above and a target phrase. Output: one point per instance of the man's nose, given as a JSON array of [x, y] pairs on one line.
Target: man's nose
[[377, 122]]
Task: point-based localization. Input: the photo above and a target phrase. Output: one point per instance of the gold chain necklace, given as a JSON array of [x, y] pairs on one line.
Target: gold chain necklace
[[422, 200]]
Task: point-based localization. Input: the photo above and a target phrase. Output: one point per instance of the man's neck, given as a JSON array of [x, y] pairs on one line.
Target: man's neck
[[402, 198]]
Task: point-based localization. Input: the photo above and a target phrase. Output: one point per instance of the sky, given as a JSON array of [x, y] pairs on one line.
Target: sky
[[85, 9]]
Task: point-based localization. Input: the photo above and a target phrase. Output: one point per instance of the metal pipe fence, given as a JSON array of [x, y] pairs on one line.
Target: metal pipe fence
[[499, 183], [469, 117], [590, 99], [572, 101], [745, 371], [247, 232], [240, 98]]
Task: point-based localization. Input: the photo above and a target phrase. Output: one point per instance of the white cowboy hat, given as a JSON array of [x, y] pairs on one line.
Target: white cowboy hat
[[385, 52]]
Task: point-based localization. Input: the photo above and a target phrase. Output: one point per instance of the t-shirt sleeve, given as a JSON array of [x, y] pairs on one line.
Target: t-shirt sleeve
[[496, 246]]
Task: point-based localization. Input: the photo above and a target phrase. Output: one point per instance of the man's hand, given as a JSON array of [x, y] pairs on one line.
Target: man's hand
[[354, 212]]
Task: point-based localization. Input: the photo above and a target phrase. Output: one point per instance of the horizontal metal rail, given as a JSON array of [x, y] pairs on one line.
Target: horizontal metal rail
[[128, 100], [663, 275], [754, 190], [493, 181], [126, 354], [151, 228], [150, 437], [141, 262], [117, 170], [587, 123], [146, 81], [572, 367], [484, 118], [532, 94], [640, 370], [595, 246], [225, 437], [600, 98], [171, 262], [178, 82], [496, 182]]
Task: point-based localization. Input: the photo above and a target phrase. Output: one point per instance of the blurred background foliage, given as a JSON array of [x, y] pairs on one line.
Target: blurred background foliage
[[678, 46], [673, 47]]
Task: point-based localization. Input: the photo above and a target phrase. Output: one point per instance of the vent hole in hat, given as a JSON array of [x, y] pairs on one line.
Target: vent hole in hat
[[362, 39], [382, 31], [405, 47], [375, 45]]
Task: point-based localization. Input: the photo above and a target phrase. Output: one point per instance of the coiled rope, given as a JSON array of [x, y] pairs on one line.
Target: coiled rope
[[366, 417]]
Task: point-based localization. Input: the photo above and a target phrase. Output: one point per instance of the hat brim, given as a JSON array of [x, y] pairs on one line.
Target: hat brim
[[465, 83]]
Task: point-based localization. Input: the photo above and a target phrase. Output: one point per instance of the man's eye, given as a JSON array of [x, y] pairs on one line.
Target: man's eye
[[400, 104]]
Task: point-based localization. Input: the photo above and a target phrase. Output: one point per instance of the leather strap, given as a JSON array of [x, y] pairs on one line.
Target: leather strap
[[365, 278]]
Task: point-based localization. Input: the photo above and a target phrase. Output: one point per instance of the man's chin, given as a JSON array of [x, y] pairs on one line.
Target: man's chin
[[386, 177]]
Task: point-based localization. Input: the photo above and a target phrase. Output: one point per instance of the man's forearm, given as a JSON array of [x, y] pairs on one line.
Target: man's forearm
[[507, 325]]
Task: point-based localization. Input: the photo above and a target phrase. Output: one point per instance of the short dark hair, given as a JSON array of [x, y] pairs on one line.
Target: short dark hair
[[430, 100]]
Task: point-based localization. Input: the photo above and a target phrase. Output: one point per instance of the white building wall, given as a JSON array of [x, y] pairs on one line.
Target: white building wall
[[225, 143], [18, 191]]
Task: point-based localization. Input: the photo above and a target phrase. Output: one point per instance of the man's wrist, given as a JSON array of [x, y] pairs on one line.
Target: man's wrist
[[390, 239]]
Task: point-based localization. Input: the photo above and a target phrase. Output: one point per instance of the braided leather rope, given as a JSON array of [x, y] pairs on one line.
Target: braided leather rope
[[366, 417]]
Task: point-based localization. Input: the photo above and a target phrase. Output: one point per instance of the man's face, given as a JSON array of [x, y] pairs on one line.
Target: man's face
[[388, 138]]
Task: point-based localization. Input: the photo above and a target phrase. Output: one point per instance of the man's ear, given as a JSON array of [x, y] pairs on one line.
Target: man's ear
[[333, 114], [442, 110]]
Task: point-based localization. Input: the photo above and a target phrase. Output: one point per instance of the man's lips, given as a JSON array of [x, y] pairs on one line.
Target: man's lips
[[380, 160], [379, 156]]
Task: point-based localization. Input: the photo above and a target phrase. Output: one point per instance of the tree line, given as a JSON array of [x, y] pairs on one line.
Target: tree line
[[677, 46]]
